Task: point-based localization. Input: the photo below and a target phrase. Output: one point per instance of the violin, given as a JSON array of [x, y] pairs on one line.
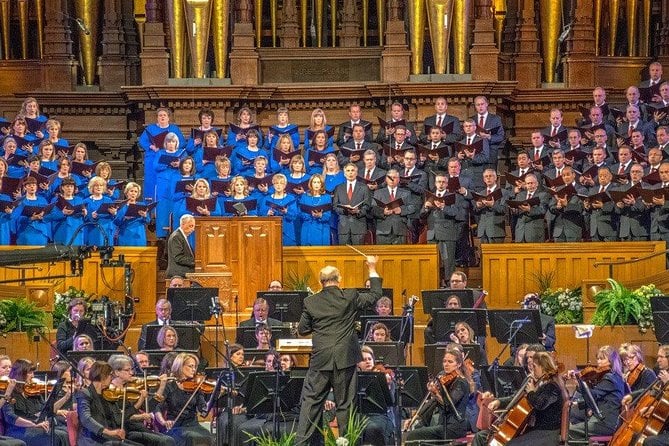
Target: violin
[[4, 383], [447, 378], [114, 394], [385, 370], [151, 381], [36, 388], [593, 375], [199, 382]]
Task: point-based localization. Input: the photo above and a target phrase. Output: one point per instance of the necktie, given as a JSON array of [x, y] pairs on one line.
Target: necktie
[[630, 129], [392, 194], [537, 152], [350, 191], [601, 189], [621, 170], [522, 172], [469, 140], [554, 132], [406, 172], [439, 120], [397, 146], [357, 146], [488, 191], [368, 175], [434, 145], [529, 195], [481, 121]]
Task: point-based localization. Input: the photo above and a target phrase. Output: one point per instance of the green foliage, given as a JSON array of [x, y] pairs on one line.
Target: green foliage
[[355, 426], [565, 305], [621, 306], [20, 315], [544, 281], [62, 300], [298, 282], [266, 439]]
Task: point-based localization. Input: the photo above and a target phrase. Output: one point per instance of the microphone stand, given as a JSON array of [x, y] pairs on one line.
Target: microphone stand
[[215, 310]]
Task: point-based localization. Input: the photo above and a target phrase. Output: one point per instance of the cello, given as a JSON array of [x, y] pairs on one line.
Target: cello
[[648, 417]]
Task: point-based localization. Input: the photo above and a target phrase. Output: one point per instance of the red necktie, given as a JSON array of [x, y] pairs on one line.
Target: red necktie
[[406, 172], [350, 191], [439, 120], [368, 176], [536, 154], [481, 121], [554, 132], [488, 191], [392, 194], [630, 130], [397, 146], [621, 170]]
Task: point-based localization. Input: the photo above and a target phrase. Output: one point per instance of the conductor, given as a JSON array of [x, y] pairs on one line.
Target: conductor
[[330, 317]]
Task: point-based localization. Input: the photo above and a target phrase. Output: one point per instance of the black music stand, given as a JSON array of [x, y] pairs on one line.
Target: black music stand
[[390, 354], [373, 395], [437, 298], [444, 321], [189, 336], [661, 323], [48, 411], [506, 383], [156, 356], [285, 306], [659, 303], [414, 384], [191, 304], [371, 311], [394, 324], [261, 391], [246, 336], [515, 327]]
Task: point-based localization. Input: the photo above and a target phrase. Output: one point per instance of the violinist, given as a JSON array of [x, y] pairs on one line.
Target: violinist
[[545, 392], [518, 359], [84, 367], [607, 390], [179, 410], [64, 404], [21, 418], [74, 325], [97, 423], [167, 338], [134, 421], [663, 375], [8, 384], [454, 385], [379, 429], [82, 343], [637, 376]]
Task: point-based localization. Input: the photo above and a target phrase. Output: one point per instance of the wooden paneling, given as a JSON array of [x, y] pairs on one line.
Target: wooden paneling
[[509, 269], [101, 281], [405, 267]]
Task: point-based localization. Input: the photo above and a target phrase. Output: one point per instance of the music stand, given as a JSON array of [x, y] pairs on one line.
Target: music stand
[[659, 303], [444, 321], [373, 395], [261, 391], [394, 324], [285, 306], [661, 323], [385, 292], [515, 327], [414, 384], [509, 379], [246, 336], [189, 336], [390, 354], [191, 304], [437, 298], [255, 356]]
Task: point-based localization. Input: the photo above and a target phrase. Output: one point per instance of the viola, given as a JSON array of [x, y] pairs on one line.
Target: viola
[[447, 379], [385, 370], [114, 394], [634, 374], [591, 374]]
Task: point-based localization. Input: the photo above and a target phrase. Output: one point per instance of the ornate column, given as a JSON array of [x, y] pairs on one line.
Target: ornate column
[[154, 57], [244, 59], [350, 28], [5, 11], [579, 69], [131, 41], [58, 64], [462, 17], [614, 7], [631, 8], [527, 60], [508, 45], [290, 30], [112, 65], [416, 9], [23, 27], [396, 57], [663, 46], [484, 55]]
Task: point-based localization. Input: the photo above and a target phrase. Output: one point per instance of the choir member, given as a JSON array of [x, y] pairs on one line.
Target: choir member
[[131, 228], [315, 210]]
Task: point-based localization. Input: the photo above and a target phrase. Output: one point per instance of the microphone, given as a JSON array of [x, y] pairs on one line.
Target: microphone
[[82, 26], [565, 33]]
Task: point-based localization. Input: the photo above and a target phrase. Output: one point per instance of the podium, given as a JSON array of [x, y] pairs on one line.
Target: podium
[[237, 255]]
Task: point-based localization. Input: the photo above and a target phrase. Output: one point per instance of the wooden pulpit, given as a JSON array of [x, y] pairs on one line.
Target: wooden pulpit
[[238, 253]]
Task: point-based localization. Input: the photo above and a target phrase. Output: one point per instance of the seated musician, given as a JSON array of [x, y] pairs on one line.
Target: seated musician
[[452, 302], [517, 360], [84, 368], [235, 353], [384, 306], [379, 429], [450, 394], [662, 438], [260, 315], [637, 376], [545, 393], [136, 415], [379, 333], [464, 335], [65, 395], [167, 338], [5, 368], [97, 424], [263, 337], [608, 388], [178, 412], [82, 343], [21, 417], [532, 301]]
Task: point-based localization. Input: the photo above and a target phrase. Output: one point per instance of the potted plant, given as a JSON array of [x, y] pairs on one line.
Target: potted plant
[[622, 306], [21, 315], [565, 305]]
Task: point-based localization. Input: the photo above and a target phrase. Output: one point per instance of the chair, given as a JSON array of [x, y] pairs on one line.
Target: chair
[[72, 421], [564, 422]]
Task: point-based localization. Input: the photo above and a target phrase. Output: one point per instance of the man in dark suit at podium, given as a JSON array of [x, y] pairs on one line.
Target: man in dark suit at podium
[[180, 257], [259, 316], [330, 317]]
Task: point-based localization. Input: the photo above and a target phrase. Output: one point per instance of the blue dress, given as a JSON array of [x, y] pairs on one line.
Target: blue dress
[[309, 134], [6, 224], [317, 167], [275, 132], [93, 235], [144, 143], [63, 226], [31, 232], [131, 231], [290, 221], [165, 176], [237, 143], [315, 231], [242, 160]]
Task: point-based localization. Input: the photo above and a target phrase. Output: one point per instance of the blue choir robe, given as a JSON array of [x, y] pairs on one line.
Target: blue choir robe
[[290, 220], [94, 235], [315, 231], [150, 156]]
